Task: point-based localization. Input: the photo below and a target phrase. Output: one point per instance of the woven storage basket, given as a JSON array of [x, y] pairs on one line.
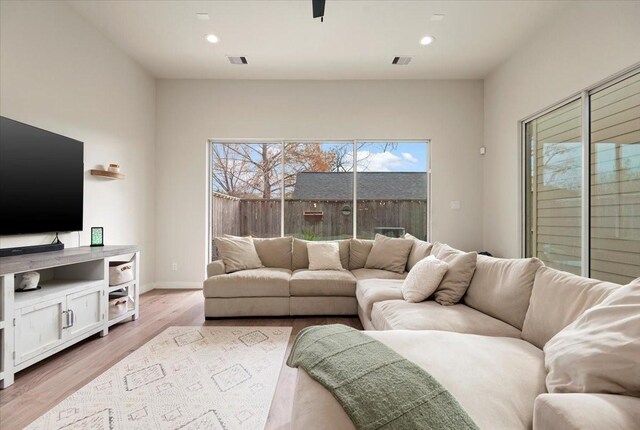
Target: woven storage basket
[[118, 307], [120, 272]]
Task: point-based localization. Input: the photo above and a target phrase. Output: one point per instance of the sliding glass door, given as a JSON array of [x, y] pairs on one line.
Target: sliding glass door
[[615, 181], [582, 189], [554, 145]]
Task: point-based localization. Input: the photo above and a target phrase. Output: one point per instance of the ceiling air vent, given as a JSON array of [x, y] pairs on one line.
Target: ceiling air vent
[[237, 60], [401, 61]]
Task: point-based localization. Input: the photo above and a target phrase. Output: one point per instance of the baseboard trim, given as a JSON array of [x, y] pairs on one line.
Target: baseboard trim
[[173, 285], [147, 287]]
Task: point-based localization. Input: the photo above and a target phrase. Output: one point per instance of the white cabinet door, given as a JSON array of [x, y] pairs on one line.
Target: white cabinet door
[[86, 311], [39, 328]]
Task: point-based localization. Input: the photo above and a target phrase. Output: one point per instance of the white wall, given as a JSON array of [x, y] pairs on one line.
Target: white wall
[[588, 43], [191, 111], [59, 73]]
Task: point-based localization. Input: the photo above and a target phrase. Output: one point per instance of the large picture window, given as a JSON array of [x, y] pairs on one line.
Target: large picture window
[[319, 190], [582, 183]]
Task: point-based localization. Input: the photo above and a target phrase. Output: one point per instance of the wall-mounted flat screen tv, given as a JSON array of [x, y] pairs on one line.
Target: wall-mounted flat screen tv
[[41, 180]]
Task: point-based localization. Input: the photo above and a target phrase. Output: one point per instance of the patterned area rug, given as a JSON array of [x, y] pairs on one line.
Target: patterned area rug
[[214, 378]]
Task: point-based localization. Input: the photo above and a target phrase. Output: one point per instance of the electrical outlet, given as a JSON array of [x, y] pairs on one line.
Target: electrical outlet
[[174, 267], [455, 205]]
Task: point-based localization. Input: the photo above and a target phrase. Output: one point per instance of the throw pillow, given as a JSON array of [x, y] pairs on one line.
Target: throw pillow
[[423, 279], [389, 254], [358, 252], [274, 251], [237, 253], [599, 351], [301, 256], [324, 256], [457, 279], [420, 250]]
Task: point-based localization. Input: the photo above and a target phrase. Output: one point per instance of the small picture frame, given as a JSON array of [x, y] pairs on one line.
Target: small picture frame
[[97, 236]]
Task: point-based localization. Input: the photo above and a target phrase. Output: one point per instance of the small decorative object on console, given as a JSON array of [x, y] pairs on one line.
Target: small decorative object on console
[[114, 168], [97, 236], [29, 281]]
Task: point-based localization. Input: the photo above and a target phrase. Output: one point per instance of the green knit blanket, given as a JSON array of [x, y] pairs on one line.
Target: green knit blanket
[[377, 387]]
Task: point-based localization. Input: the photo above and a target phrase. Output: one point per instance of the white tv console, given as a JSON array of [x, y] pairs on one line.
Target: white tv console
[[71, 305]]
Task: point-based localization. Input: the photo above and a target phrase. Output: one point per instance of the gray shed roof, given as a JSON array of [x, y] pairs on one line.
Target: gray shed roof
[[371, 186]]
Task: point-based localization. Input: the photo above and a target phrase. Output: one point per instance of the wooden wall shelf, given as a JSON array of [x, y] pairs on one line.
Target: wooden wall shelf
[[107, 174]]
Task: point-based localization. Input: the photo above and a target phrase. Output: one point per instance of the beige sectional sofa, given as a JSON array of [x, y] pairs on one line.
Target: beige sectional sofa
[[286, 286], [486, 350]]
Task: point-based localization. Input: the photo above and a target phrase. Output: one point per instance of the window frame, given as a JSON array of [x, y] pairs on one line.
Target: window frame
[[585, 96], [283, 143]]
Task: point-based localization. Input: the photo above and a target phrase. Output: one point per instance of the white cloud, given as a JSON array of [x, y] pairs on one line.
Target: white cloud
[[384, 161], [409, 157]]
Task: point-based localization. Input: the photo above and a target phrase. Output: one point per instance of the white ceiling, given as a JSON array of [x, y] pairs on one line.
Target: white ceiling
[[357, 40]]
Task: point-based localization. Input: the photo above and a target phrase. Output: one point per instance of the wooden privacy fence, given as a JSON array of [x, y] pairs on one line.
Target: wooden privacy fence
[[315, 220]]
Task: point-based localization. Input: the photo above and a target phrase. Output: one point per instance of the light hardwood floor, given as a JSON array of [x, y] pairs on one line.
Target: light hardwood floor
[[43, 385]]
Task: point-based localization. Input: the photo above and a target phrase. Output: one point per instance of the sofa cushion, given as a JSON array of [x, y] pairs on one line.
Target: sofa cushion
[[557, 299], [301, 255], [362, 274], [586, 412], [358, 253], [495, 380], [275, 251], [237, 253], [501, 287], [458, 276], [264, 282], [324, 256], [421, 249], [429, 315], [231, 307], [423, 279], [389, 253], [600, 351], [305, 282], [371, 291]]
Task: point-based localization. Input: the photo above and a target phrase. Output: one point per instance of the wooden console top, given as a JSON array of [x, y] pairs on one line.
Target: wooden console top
[[43, 260]]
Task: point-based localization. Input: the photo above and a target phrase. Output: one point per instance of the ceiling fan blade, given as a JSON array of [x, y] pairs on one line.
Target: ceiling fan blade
[[318, 8]]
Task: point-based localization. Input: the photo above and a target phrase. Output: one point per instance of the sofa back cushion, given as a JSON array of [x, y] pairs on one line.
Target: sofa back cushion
[[237, 253], [301, 255], [358, 253], [389, 254], [501, 287], [421, 249], [275, 251], [557, 299]]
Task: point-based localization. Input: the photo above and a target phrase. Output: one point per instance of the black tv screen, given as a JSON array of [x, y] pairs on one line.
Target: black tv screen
[[41, 180]]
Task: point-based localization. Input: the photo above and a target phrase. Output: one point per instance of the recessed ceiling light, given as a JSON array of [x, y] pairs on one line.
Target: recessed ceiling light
[[202, 16], [437, 17], [427, 40], [212, 38]]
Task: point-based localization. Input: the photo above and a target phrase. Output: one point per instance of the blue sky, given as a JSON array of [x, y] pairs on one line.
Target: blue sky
[[372, 157]]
